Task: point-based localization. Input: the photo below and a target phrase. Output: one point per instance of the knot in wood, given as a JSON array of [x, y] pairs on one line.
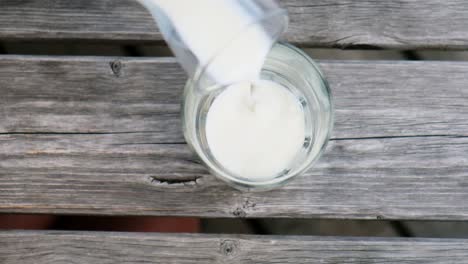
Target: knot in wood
[[228, 247], [239, 212], [116, 67]]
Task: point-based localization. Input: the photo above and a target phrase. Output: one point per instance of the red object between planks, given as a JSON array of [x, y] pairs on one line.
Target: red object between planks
[[128, 224]]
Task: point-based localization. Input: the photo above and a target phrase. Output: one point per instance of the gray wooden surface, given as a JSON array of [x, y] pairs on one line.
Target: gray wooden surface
[[328, 23], [77, 137], [83, 247]]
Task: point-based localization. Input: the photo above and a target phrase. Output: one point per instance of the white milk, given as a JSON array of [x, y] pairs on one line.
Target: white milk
[[221, 35], [255, 135]]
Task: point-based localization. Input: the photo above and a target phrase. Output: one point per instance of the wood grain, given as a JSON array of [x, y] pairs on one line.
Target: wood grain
[[77, 137], [372, 99], [400, 24], [86, 247]]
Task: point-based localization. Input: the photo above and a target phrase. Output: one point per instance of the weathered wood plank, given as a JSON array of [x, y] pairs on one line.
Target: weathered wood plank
[[329, 23], [84, 95], [123, 20], [87, 247], [410, 178], [78, 138], [372, 99]]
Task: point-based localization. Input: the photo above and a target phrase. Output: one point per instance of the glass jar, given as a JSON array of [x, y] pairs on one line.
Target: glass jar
[[294, 70]]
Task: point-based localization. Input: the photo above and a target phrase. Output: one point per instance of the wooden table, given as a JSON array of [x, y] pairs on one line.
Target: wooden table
[[102, 136]]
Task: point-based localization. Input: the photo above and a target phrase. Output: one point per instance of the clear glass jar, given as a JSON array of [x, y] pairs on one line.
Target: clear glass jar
[[294, 70]]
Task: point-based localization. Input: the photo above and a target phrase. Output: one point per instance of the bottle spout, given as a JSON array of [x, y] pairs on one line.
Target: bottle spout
[[225, 41]]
